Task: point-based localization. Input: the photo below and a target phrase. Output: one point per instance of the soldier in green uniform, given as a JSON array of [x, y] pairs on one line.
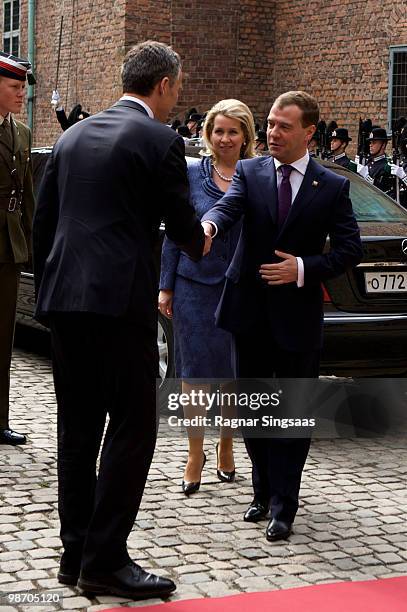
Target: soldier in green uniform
[[16, 211]]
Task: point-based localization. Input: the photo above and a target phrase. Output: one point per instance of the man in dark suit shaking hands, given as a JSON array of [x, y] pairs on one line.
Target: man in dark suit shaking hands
[[110, 181], [272, 300]]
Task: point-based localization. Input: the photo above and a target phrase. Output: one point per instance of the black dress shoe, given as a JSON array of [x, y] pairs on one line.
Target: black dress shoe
[[8, 436], [189, 487], [277, 530], [222, 474], [255, 512], [130, 581]]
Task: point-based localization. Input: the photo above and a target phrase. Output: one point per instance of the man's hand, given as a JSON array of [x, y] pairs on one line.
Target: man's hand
[[165, 302], [280, 273], [208, 231]]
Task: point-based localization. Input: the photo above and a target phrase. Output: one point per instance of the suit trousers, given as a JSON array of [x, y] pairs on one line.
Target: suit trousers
[[9, 282], [277, 463], [103, 366]]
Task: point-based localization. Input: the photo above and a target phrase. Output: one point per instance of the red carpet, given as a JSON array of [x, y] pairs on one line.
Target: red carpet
[[385, 595]]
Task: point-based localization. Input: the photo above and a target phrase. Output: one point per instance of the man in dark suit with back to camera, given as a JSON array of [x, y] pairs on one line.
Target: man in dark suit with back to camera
[[272, 300], [109, 182]]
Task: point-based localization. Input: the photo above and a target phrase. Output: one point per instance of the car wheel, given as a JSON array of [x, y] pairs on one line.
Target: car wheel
[[165, 341]]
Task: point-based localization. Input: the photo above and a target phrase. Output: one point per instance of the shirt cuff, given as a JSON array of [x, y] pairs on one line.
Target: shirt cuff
[[300, 277], [214, 226]]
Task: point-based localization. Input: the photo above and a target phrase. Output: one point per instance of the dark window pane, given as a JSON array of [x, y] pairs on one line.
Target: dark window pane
[[7, 17], [398, 93], [15, 45], [16, 15], [6, 45]]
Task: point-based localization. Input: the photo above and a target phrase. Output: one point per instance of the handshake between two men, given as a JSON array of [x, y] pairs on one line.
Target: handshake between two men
[[280, 273]]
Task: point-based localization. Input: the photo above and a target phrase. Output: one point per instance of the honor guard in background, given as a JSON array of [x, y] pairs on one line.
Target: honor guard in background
[[16, 212], [339, 141], [400, 173], [399, 166], [378, 170], [183, 131], [260, 144], [365, 128], [192, 121], [76, 114], [313, 144]]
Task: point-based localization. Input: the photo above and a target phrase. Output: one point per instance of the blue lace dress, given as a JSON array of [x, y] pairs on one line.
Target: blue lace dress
[[201, 349]]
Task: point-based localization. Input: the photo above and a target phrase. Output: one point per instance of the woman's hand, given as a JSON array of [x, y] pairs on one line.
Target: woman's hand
[[165, 302]]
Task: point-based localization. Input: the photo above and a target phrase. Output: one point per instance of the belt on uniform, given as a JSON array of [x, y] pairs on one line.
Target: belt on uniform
[[10, 204]]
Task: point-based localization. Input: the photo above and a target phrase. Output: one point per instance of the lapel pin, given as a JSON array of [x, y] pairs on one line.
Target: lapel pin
[[315, 183]]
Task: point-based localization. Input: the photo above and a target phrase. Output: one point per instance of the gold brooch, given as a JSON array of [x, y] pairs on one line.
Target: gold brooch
[[315, 183]]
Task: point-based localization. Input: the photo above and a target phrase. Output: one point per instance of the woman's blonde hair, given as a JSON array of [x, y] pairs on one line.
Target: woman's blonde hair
[[234, 109]]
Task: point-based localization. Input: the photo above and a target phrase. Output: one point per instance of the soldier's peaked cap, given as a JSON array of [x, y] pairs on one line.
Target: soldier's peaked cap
[[341, 134], [16, 68], [194, 117], [378, 133]]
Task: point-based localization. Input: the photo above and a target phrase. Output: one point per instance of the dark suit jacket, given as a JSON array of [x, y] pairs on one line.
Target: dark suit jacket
[[111, 180], [322, 207]]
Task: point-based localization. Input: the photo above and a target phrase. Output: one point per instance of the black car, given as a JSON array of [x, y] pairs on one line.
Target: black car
[[365, 309]]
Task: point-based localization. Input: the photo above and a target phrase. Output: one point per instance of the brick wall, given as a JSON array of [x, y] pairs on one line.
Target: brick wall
[[226, 49], [256, 49], [91, 53], [337, 50], [147, 19]]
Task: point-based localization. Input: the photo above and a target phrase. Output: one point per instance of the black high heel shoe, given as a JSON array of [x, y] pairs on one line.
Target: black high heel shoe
[[222, 474], [189, 487]]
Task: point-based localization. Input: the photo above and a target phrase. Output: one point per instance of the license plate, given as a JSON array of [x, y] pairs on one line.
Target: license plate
[[386, 282]]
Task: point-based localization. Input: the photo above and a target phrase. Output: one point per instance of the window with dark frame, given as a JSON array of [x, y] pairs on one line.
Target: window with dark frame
[[398, 85], [11, 27]]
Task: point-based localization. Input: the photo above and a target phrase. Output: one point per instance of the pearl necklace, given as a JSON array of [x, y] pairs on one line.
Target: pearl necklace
[[222, 176]]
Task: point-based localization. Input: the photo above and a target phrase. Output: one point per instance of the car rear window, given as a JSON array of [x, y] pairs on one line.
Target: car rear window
[[370, 204]]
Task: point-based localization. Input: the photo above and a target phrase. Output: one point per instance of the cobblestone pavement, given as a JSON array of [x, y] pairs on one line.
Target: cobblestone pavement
[[354, 491]]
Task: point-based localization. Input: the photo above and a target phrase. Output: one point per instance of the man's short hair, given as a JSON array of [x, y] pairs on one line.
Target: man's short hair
[[307, 103], [146, 64]]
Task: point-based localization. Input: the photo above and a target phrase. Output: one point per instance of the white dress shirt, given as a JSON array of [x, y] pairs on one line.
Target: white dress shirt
[[296, 176], [141, 102]]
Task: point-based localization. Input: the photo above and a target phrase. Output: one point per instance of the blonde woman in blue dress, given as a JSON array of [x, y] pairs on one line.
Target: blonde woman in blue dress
[[190, 292]]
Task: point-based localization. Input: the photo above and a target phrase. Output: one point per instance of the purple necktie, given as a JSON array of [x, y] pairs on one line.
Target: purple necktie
[[284, 194]]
